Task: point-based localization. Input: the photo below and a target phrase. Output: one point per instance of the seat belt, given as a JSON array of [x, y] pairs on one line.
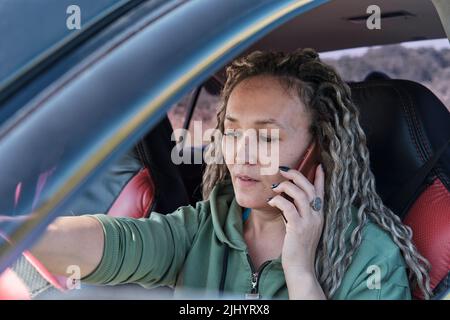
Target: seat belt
[[403, 198]]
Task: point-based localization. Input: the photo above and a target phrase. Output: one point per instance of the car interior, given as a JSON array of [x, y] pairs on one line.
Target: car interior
[[407, 127]]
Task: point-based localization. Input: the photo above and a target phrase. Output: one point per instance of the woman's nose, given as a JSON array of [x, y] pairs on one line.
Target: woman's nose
[[247, 148]]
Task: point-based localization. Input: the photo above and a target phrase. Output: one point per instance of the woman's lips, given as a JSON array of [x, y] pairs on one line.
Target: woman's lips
[[245, 181]]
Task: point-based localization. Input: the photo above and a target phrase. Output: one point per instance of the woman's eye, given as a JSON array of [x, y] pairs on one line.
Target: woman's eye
[[230, 133], [266, 139]]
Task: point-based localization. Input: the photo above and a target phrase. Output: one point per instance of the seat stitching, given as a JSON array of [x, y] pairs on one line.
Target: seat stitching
[[407, 115]]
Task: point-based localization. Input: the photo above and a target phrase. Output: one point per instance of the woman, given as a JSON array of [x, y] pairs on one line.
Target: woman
[[263, 235]]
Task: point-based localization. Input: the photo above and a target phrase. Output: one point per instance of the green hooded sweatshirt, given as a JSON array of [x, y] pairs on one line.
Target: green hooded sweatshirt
[[201, 250]]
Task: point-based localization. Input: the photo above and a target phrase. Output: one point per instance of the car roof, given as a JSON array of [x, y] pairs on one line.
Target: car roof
[[340, 25]]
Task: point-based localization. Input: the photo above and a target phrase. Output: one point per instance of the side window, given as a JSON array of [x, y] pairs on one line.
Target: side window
[[203, 117], [426, 62], [178, 112]]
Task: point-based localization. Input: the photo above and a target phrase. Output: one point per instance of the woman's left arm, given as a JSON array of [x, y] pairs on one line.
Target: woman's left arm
[[303, 230]]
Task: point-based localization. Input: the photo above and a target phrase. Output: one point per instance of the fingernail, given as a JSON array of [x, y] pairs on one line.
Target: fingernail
[[275, 185], [268, 199], [284, 168]]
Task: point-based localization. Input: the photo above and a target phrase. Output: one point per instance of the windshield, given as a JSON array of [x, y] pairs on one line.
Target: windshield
[[30, 29]]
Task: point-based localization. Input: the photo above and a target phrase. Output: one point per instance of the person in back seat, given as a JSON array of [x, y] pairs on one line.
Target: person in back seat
[[259, 235]]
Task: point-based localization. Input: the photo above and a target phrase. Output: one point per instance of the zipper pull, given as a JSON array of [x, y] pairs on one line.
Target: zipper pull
[[254, 281], [254, 295]]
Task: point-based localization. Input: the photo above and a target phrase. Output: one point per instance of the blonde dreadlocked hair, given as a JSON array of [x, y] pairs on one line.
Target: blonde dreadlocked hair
[[345, 159]]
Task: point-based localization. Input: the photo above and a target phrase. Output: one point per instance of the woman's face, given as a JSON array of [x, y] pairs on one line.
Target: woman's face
[[262, 103]]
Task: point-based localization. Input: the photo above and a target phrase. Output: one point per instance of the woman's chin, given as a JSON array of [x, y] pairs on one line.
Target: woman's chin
[[250, 201], [251, 196]]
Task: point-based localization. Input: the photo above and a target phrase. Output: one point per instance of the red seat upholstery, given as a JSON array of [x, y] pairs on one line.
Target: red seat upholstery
[[429, 217], [136, 198]]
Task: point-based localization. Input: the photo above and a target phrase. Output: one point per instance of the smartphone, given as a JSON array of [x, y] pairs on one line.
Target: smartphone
[[310, 161], [308, 165]]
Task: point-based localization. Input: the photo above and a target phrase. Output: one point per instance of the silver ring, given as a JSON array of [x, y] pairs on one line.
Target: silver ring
[[316, 204]]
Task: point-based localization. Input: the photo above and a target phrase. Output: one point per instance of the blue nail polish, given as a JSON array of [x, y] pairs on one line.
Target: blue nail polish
[[284, 168], [275, 185]]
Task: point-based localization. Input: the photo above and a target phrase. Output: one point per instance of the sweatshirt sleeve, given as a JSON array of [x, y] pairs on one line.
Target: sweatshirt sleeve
[[149, 251], [384, 279], [377, 272]]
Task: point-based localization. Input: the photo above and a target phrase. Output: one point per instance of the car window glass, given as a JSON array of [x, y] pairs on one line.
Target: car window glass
[[426, 62]]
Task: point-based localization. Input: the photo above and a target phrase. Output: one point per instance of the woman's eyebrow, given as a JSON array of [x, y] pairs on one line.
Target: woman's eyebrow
[[269, 121], [230, 118], [258, 122]]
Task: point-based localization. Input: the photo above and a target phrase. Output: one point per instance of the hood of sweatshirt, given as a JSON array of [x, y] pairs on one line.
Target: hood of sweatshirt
[[226, 216]]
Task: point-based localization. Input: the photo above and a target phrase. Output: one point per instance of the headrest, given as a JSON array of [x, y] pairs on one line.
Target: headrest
[[405, 124]]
